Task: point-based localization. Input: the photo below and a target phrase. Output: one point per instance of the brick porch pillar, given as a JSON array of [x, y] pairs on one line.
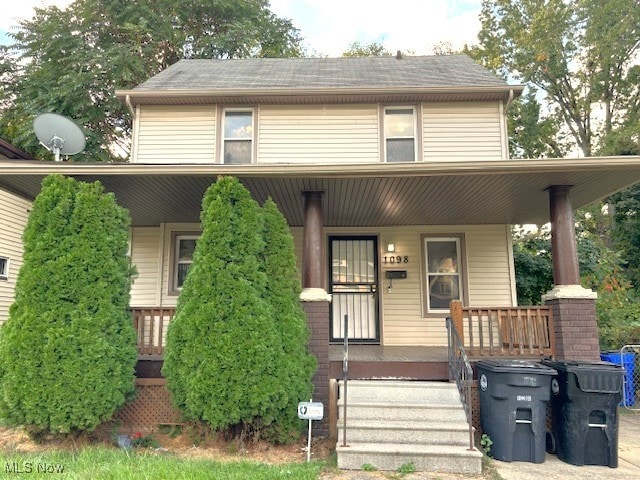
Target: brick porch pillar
[[574, 311], [315, 300]]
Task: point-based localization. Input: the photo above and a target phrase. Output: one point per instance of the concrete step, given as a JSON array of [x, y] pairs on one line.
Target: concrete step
[[403, 411], [408, 391], [393, 423], [407, 432], [386, 456]]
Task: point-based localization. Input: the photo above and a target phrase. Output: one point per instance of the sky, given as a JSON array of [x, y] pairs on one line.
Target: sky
[[330, 26]]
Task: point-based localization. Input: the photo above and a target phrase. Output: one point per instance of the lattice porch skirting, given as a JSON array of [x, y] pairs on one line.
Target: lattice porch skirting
[[151, 407]]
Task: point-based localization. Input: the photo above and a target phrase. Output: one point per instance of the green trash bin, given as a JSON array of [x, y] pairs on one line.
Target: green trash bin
[[513, 407], [584, 412]]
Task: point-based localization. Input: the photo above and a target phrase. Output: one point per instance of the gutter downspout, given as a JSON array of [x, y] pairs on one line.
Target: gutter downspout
[[507, 103], [127, 101]]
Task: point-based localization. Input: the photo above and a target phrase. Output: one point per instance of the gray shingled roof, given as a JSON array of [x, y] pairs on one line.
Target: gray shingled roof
[[324, 73]]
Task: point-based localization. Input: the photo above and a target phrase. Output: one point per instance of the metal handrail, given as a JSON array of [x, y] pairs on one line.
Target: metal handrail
[[345, 374], [460, 370]]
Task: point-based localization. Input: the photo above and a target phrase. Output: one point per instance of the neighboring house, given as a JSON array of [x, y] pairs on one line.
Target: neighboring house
[[396, 181], [14, 211]]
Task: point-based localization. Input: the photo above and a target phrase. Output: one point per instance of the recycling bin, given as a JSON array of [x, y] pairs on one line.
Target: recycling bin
[[627, 360], [584, 412], [513, 407]]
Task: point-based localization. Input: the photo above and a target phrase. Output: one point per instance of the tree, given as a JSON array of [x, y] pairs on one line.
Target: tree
[[373, 49], [228, 362], [68, 349], [580, 53], [533, 266], [283, 289], [531, 135], [70, 61]]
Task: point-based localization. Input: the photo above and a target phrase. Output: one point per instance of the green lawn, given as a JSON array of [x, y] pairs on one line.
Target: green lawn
[[102, 463]]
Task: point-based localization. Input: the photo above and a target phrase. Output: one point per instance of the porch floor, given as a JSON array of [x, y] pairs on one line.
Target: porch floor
[[381, 361]]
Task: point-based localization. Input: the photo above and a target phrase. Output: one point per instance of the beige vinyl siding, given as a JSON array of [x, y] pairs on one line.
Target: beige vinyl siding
[[145, 253], [489, 267], [487, 273], [462, 131], [486, 280], [175, 134], [14, 212], [486, 269], [318, 134]]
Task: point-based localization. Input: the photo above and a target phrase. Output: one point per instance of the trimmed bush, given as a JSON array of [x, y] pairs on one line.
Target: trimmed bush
[[227, 361], [68, 349], [297, 365]]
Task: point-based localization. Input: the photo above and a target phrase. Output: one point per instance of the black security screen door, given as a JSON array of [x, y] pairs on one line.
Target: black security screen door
[[354, 288]]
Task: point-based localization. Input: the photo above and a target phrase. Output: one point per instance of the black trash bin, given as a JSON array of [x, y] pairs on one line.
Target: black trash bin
[[513, 407], [584, 412]]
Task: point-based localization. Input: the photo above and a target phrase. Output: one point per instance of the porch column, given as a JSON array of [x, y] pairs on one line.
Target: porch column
[[312, 240], [574, 312], [315, 300], [563, 240]]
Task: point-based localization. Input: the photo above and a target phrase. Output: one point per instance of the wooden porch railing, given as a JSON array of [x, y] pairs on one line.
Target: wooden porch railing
[[151, 324], [505, 331]]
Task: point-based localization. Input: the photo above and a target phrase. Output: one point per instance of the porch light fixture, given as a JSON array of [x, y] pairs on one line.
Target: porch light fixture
[[391, 247]]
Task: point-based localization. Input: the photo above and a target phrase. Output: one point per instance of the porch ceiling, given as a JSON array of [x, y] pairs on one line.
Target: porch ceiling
[[445, 193]]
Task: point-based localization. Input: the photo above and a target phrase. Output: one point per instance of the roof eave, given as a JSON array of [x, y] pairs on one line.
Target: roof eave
[[285, 170], [139, 96]]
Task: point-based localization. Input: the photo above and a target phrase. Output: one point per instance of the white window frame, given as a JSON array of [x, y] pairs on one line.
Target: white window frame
[[4, 268], [459, 274], [414, 111], [175, 260], [251, 140]]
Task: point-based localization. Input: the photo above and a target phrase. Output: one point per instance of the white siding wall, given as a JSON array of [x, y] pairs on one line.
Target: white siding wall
[[145, 255], [490, 268], [452, 131], [487, 268], [175, 134], [318, 134], [458, 131], [13, 218]]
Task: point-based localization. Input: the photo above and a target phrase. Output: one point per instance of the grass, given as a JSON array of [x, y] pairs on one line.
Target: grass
[[110, 464]]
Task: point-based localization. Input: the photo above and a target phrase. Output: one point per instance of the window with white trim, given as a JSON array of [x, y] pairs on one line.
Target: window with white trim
[[400, 134], [237, 137], [184, 247], [443, 272], [4, 268]]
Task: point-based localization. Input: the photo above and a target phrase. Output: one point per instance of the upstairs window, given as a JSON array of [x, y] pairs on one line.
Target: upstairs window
[[4, 268], [238, 136], [400, 134]]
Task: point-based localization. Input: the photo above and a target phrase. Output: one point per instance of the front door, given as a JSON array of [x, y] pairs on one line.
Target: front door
[[354, 288]]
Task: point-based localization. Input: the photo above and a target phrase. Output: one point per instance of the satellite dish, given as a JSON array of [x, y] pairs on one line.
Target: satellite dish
[[59, 134]]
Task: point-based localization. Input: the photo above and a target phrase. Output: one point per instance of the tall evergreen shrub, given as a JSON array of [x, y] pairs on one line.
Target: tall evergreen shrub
[[67, 351], [297, 365], [225, 360]]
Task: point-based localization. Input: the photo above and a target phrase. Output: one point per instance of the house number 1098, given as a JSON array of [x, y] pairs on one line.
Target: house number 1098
[[395, 259]]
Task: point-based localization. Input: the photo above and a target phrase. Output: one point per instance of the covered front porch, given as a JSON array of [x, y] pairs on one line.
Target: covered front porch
[[438, 198]]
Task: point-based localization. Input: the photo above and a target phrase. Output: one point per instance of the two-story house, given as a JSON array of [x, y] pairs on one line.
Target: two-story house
[[395, 178]]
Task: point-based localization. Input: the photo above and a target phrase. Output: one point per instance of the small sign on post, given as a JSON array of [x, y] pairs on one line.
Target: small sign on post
[[310, 411]]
